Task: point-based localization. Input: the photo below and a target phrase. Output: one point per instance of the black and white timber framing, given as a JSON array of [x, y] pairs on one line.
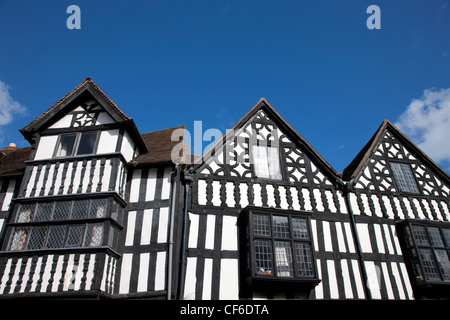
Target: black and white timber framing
[[155, 229]]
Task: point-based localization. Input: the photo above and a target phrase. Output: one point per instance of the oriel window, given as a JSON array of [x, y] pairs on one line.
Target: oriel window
[[281, 246], [428, 247]]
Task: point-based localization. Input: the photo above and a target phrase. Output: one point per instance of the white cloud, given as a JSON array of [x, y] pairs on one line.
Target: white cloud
[[426, 121], [8, 106]]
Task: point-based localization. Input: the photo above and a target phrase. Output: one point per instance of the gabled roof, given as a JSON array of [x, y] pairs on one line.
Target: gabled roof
[[358, 163], [284, 126], [86, 87]]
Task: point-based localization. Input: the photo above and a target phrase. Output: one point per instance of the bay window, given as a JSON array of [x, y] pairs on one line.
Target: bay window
[[427, 245], [65, 224]]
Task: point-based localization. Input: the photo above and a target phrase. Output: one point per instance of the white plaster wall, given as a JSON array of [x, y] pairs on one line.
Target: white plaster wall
[[107, 141], [127, 148], [46, 147]]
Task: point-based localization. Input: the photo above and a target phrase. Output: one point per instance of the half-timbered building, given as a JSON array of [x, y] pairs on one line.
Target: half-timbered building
[[85, 209], [96, 209]]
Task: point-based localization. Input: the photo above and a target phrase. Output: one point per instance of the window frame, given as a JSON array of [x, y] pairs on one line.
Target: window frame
[[412, 245], [260, 143], [76, 144], [248, 252], [419, 191]]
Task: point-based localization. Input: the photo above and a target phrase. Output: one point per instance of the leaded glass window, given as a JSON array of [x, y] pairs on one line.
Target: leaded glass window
[[404, 177], [64, 224], [57, 236], [63, 210]]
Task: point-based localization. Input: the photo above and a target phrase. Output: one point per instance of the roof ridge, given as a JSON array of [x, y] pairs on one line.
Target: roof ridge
[[107, 98], [72, 92]]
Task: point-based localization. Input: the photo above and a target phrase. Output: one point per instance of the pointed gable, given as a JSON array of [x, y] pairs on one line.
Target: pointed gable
[[383, 165], [262, 124], [86, 105]]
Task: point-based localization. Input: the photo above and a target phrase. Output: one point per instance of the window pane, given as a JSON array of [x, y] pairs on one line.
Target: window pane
[[261, 225], [435, 237], [263, 257], [429, 265], [62, 210], [416, 265], [409, 178], [87, 143], [56, 237], [409, 237], [261, 162], [19, 238], [280, 227], [274, 163], [75, 236], [44, 211], [420, 235], [300, 228], [283, 259], [94, 235], [303, 257], [80, 209], [37, 238], [97, 208], [66, 144], [444, 263], [113, 237], [116, 212], [446, 233], [25, 212]]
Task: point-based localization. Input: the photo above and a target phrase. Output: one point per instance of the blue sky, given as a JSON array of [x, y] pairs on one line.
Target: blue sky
[[167, 63]]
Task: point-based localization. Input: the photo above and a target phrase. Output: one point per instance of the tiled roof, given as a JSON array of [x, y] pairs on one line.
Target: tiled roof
[[12, 161], [158, 142], [160, 147]]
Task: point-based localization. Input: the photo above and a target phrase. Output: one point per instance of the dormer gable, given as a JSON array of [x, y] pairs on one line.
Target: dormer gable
[[86, 110], [84, 97]]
